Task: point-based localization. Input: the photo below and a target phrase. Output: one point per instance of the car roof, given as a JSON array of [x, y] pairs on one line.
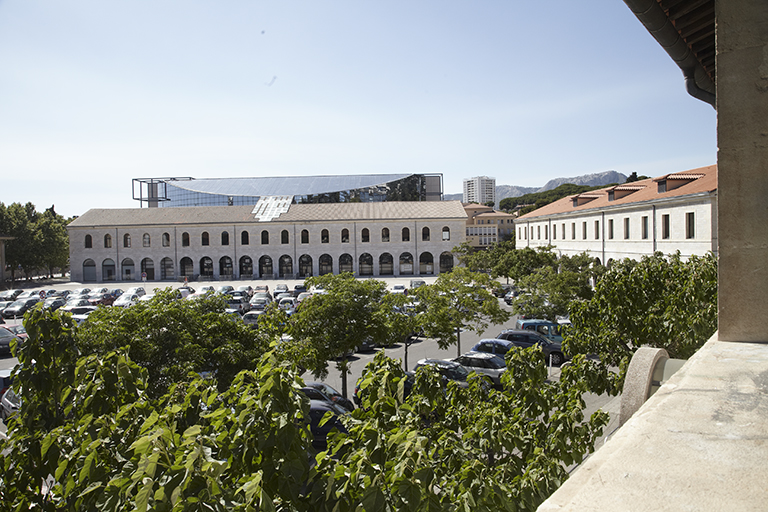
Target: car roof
[[436, 362], [534, 321], [480, 355]]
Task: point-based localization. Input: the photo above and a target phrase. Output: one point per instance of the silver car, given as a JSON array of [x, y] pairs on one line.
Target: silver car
[[483, 363]]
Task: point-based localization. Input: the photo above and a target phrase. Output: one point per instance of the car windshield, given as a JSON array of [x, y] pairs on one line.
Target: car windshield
[[496, 362], [457, 372]]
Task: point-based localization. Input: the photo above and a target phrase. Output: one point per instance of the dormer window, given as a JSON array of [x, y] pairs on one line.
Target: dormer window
[[662, 186]]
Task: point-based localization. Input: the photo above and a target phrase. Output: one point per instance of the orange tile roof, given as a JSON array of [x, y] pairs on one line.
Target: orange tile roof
[[704, 179]]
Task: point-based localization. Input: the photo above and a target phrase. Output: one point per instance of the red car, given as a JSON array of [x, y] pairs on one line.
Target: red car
[[103, 299]]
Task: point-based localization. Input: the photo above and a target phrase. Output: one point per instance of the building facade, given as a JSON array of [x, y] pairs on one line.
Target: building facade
[[485, 226], [187, 191], [266, 241], [480, 189], [675, 212]]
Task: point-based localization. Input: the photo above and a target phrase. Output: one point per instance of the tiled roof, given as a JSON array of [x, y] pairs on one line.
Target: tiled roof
[[702, 180], [297, 213]]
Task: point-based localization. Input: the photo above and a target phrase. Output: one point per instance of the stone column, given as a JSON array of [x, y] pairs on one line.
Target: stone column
[[742, 133]]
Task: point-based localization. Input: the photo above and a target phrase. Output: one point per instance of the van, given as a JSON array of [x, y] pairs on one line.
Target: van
[[549, 330]]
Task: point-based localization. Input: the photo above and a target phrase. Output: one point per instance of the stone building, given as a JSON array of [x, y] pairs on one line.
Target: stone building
[[486, 226], [273, 239]]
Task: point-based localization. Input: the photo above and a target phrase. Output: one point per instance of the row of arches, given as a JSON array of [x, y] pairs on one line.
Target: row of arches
[[304, 236], [266, 267]]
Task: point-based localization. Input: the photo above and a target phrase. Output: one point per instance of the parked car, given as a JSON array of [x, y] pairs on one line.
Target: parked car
[[19, 307], [225, 289], [136, 290], [240, 304], [331, 393], [80, 293], [10, 295], [314, 393], [81, 314], [126, 300], [299, 289], [64, 294], [415, 283], [115, 292], [302, 296], [549, 330], [27, 294], [54, 303], [4, 304], [251, 318], [288, 304], [397, 288], [9, 404], [5, 380], [6, 336], [259, 303], [281, 288], [552, 350], [317, 410], [239, 293], [248, 289], [19, 331], [450, 370], [74, 303], [101, 299], [103, 289], [261, 288], [262, 295], [184, 291], [489, 365]]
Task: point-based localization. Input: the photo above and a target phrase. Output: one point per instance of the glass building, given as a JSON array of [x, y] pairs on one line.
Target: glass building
[[187, 191]]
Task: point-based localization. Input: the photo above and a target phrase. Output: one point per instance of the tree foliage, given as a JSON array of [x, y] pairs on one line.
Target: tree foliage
[[659, 301], [536, 200], [171, 338]]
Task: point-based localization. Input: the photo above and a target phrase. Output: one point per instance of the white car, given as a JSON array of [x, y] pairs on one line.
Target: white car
[[288, 304], [398, 288], [136, 290], [484, 363], [126, 300]]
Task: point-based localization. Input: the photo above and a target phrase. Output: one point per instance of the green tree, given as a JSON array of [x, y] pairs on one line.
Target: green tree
[[54, 241], [659, 301], [23, 251], [171, 338]]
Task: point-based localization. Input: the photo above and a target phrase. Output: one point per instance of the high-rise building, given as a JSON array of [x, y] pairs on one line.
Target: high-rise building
[[480, 189]]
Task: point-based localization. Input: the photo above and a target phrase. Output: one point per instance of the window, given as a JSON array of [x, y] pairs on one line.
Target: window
[[406, 235], [166, 240], [546, 232], [644, 227], [690, 225], [573, 231], [107, 241], [304, 236], [563, 230], [597, 230], [284, 237], [126, 240], [265, 240], [224, 238], [583, 230], [89, 242], [446, 234], [665, 227], [146, 240], [324, 237], [385, 235], [554, 231], [425, 234], [345, 236], [365, 236], [244, 239], [185, 239], [626, 228], [538, 232], [204, 240], [610, 229]]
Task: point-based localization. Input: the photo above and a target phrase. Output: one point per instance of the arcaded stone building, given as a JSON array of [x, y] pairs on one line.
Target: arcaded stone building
[[274, 239]]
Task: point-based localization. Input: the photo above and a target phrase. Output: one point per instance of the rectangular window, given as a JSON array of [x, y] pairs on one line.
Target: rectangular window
[[610, 229], [665, 227], [546, 232], [645, 227], [573, 231], [538, 232], [583, 230], [690, 225], [597, 230], [626, 228], [554, 232], [564, 231]]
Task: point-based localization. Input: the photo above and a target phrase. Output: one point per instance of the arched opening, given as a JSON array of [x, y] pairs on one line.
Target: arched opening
[[185, 239], [446, 233], [166, 240], [345, 263], [305, 265], [187, 267], [148, 268], [166, 269], [265, 237], [265, 266], [225, 267], [425, 234], [345, 236], [386, 265], [89, 270], [225, 238], [108, 272], [126, 240], [385, 234], [205, 239], [246, 267], [89, 242], [426, 263], [284, 236], [286, 266], [446, 262], [129, 269], [365, 236], [244, 238], [365, 266], [107, 241], [206, 267], [324, 237], [304, 236], [326, 264], [406, 264], [406, 235]]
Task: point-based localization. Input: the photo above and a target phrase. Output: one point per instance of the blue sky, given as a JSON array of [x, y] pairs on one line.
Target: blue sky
[[94, 93]]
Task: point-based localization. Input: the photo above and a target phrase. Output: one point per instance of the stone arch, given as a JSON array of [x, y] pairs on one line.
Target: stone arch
[[89, 271], [346, 263], [386, 265], [406, 264], [365, 264], [326, 264], [426, 263]]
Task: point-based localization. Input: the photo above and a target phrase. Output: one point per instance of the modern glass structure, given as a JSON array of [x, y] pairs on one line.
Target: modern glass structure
[[188, 191]]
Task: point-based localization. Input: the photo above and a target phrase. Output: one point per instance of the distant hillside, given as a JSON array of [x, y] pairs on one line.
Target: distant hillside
[[598, 179], [529, 202]]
